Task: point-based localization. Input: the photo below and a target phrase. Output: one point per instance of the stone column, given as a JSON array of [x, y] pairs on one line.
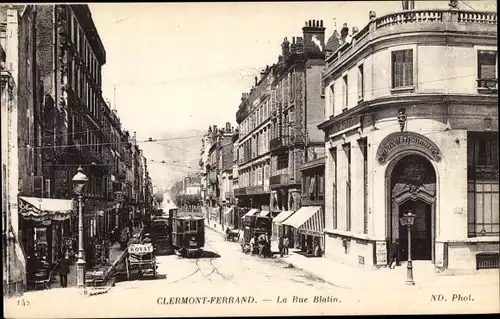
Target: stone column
[[272, 200], [294, 195]]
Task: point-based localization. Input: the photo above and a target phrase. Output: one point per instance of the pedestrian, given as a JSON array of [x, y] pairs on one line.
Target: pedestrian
[[253, 241], [280, 245], [262, 244], [227, 233], [63, 269], [286, 243], [394, 253]]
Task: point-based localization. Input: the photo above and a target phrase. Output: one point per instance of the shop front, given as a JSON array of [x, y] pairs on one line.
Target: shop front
[[229, 217], [307, 228], [47, 235], [278, 229]]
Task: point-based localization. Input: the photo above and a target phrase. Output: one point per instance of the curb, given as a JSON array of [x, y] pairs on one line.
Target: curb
[[290, 263]]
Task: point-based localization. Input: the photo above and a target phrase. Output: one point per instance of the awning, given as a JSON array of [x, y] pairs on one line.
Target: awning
[[40, 209], [308, 220], [251, 212], [278, 220], [228, 211], [264, 213]]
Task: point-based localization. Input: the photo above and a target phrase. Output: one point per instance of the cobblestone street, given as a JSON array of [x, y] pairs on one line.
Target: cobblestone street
[[236, 274]]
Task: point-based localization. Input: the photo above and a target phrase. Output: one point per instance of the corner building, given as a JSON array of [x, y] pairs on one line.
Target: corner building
[[411, 125]]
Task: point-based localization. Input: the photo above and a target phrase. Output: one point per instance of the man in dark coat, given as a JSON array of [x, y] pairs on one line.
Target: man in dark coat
[[394, 253], [63, 269], [280, 245]]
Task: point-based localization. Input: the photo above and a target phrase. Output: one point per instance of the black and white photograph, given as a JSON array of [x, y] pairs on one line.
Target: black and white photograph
[[221, 159]]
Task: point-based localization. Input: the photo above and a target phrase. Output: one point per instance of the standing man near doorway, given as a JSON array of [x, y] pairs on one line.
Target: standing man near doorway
[[394, 254]]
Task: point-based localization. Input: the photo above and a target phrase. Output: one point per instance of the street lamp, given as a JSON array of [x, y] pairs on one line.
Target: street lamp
[[79, 181], [408, 220]]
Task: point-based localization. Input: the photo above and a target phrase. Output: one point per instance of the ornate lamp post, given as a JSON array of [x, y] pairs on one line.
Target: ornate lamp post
[[79, 181], [408, 220]]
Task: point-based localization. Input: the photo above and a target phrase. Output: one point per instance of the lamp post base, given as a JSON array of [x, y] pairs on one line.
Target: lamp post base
[[409, 274], [80, 273]]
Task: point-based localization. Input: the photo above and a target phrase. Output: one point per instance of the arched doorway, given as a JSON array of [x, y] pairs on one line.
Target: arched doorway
[[412, 183]]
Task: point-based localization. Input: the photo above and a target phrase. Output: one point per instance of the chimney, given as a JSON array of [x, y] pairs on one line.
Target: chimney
[[314, 36], [210, 129], [343, 33], [293, 47], [285, 48], [215, 128], [256, 81], [300, 44], [228, 127]]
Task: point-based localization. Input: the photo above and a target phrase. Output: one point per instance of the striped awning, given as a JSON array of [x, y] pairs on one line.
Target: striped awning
[[264, 213], [308, 220], [278, 220], [41, 209], [251, 212]]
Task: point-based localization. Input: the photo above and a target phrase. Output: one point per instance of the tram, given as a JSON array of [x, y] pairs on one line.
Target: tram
[[188, 235]]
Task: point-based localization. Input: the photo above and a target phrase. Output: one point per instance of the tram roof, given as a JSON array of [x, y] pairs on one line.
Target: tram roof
[[190, 217]]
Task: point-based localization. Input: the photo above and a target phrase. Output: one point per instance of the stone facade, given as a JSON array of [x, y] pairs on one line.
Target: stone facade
[[403, 116]]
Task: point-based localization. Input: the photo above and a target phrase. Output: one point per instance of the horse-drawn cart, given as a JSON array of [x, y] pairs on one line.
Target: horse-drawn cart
[[233, 235]]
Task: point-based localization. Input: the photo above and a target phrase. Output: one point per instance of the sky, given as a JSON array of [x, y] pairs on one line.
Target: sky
[[180, 67]]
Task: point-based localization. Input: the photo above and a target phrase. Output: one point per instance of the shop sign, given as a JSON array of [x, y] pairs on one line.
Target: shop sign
[[380, 253], [397, 142], [344, 124]]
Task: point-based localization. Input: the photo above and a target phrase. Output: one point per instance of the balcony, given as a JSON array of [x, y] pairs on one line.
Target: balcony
[[487, 85], [95, 156], [282, 179], [414, 22], [255, 190], [280, 143], [240, 191]]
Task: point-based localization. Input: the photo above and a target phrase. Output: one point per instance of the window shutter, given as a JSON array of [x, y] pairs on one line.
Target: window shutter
[[47, 188], [38, 186]]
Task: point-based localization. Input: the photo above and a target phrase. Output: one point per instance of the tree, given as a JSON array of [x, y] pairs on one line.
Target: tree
[[158, 196]]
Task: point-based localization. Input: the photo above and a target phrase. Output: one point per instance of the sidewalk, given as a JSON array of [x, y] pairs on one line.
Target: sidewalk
[[346, 276], [350, 277], [115, 254]]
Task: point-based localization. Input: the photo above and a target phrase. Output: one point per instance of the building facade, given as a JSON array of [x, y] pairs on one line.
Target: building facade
[[278, 133], [411, 126], [20, 88], [56, 120]]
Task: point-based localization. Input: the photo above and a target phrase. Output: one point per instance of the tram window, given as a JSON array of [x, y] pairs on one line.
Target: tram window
[[193, 225]]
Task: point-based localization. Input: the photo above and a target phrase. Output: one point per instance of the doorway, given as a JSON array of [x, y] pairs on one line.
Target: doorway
[[421, 237], [413, 188]]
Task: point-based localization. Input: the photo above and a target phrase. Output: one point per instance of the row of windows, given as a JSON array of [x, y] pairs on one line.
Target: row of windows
[[255, 176], [283, 92], [84, 89], [483, 184], [255, 146], [347, 202], [82, 46], [402, 75]]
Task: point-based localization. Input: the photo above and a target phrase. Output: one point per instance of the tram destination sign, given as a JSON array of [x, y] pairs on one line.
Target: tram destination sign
[[139, 249], [397, 142]]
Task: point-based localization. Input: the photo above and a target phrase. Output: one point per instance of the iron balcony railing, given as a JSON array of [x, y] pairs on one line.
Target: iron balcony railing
[[279, 143], [281, 179]]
